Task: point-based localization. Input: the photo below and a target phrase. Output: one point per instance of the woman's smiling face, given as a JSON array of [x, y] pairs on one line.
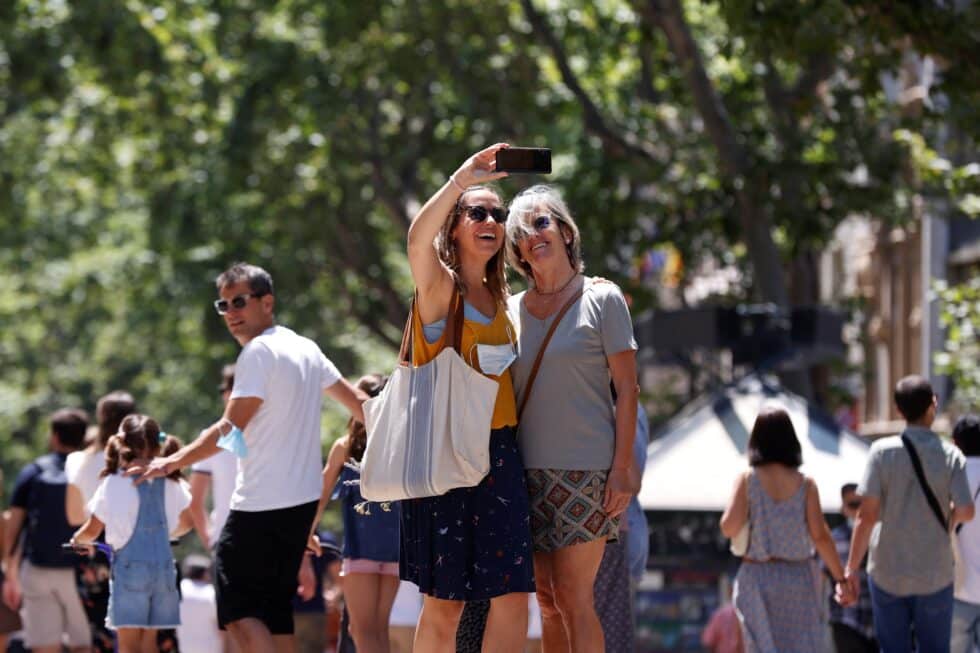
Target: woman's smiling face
[[477, 233]]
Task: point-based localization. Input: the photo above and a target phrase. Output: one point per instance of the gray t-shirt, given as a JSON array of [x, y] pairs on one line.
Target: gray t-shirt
[[910, 554], [568, 422]]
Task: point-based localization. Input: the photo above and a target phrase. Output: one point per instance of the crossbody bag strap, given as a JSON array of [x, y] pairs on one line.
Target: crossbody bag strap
[[544, 344], [454, 326], [930, 497]]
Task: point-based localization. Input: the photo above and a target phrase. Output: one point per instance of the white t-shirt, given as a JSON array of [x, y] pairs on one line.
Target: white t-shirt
[[289, 374], [222, 467], [82, 469], [117, 504], [968, 572], [198, 630]]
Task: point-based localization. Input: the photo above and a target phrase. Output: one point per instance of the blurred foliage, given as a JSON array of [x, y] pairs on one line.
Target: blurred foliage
[[960, 315], [144, 146]]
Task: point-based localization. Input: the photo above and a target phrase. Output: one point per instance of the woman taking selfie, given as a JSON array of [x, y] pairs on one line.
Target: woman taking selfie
[[470, 543], [577, 444]]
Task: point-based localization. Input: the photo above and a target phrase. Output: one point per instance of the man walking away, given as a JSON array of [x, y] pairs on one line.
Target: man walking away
[[45, 584], [910, 483]]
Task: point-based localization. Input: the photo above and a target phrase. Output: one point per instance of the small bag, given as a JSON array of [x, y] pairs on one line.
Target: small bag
[[739, 544], [429, 430]]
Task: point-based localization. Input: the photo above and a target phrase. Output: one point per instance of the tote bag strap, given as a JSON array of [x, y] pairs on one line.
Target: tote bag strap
[[544, 344], [454, 326]]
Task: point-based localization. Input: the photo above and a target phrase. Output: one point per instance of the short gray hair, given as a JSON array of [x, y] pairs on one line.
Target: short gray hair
[[519, 226]]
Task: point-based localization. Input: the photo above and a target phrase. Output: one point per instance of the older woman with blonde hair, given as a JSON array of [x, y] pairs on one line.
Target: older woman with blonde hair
[[576, 441], [471, 543]]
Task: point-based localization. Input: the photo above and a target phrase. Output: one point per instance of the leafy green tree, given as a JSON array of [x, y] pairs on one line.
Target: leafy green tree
[[146, 145]]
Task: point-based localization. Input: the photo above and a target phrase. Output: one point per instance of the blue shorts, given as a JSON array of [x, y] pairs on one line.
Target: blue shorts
[[143, 595]]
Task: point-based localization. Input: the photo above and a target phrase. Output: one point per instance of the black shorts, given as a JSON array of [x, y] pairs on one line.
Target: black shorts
[[256, 563]]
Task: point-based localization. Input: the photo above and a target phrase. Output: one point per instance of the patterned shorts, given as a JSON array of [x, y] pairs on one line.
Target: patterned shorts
[[566, 508]]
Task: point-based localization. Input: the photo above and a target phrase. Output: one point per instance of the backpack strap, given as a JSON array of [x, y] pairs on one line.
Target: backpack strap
[[930, 497]]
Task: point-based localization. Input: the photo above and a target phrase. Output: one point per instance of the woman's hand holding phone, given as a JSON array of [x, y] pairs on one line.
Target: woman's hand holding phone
[[480, 167]]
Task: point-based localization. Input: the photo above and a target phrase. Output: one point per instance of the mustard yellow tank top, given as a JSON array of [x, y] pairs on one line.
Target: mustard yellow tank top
[[495, 333]]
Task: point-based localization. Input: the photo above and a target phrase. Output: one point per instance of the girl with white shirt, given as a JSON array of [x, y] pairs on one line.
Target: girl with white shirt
[[138, 521]]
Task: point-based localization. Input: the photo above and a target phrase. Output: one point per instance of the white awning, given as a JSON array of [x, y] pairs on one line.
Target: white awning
[[694, 464]]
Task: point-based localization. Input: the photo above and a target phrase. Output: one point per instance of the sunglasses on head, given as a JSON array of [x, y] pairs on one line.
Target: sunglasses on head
[[237, 302], [479, 213]]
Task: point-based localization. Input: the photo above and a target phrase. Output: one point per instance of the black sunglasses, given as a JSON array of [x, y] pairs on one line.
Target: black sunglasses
[[853, 505], [237, 302], [541, 222], [479, 213]]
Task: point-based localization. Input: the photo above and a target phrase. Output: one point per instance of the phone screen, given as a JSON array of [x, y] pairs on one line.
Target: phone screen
[[524, 159]]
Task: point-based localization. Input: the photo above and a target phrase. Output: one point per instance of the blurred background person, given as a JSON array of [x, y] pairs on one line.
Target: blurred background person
[[9, 619], [310, 605], [852, 626], [44, 584], [216, 475], [722, 634], [776, 594], [966, 589], [198, 631], [83, 469], [405, 613]]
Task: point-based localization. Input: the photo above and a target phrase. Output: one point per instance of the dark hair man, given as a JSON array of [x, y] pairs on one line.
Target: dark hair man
[[272, 423], [907, 521], [45, 583]]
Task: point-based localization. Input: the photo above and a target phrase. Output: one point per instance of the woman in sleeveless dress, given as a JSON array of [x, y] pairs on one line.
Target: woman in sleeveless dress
[[777, 590], [474, 543]]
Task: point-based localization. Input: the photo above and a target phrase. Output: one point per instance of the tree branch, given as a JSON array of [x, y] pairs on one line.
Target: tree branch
[[614, 140], [735, 162]]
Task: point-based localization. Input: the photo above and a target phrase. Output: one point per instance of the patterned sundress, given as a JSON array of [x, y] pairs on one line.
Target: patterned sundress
[[778, 602]]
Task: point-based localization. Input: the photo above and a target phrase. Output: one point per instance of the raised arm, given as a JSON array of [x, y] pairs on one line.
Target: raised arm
[[432, 279]]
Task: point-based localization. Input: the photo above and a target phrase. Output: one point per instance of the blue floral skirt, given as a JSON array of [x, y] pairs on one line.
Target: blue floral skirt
[[472, 543]]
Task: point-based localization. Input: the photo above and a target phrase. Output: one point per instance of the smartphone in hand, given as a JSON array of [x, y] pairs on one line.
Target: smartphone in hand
[[524, 160]]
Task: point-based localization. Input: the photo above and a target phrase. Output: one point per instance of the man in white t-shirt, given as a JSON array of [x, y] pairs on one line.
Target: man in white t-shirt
[[215, 474], [272, 423]]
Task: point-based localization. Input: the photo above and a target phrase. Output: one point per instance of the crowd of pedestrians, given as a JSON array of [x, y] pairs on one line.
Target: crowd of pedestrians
[[555, 521]]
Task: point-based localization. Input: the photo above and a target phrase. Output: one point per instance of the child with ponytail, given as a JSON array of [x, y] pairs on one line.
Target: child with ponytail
[[138, 521], [370, 551]]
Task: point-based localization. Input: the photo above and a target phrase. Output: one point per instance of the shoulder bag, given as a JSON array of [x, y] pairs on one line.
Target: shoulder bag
[[429, 430]]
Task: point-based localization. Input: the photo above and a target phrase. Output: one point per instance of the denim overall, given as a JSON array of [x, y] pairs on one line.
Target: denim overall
[[143, 584]]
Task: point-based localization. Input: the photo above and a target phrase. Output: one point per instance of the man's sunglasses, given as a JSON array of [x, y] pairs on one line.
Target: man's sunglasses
[[479, 213], [853, 505], [237, 302]]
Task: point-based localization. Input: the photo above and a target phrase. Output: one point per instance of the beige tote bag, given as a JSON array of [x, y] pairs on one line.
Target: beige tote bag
[[429, 430]]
